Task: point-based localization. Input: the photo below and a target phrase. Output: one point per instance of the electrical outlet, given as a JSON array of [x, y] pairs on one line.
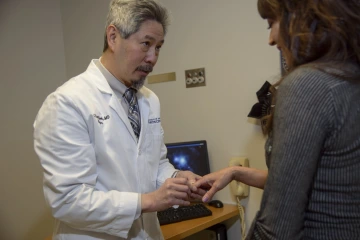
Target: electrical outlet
[[239, 189], [195, 78]]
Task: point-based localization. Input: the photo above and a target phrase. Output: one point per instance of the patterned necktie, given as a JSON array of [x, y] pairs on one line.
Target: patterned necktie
[[134, 112]]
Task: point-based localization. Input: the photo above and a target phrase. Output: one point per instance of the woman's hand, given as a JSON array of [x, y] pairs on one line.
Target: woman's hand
[[215, 181]]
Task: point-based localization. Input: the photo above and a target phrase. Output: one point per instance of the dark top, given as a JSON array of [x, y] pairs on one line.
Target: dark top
[[313, 156]]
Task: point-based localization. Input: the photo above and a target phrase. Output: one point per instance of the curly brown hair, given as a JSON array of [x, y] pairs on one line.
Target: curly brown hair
[[324, 34]]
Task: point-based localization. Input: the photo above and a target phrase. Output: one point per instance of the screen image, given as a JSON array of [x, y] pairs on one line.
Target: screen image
[[191, 156]]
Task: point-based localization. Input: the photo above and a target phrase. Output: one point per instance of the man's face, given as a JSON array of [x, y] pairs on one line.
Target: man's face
[[137, 55]]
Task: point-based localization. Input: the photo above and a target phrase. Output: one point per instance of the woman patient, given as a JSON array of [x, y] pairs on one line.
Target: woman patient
[[312, 124]]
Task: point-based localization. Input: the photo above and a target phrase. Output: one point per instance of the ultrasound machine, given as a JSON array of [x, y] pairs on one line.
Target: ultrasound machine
[[191, 156]]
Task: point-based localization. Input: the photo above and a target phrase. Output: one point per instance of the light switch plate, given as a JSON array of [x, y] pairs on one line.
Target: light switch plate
[[195, 78]]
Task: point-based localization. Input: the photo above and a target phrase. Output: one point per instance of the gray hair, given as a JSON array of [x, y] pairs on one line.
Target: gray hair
[[128, 15]]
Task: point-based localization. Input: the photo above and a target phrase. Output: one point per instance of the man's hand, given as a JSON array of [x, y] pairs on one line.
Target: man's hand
[[196, 193], [174, 191]]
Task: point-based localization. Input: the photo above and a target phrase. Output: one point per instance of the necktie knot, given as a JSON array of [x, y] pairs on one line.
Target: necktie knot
[[130, 96]]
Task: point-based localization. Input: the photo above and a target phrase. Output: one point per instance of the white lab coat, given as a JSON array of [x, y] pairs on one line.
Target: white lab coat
[[94, 168]]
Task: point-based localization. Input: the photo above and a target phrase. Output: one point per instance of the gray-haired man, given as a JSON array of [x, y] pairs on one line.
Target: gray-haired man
[[100, 141]]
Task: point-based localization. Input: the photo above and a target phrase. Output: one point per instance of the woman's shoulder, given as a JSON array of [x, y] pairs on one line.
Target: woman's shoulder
[[313, 78], [305, 75]]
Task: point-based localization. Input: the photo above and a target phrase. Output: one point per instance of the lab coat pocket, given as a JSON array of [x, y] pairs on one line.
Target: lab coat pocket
[[153, 143], [150, 154]]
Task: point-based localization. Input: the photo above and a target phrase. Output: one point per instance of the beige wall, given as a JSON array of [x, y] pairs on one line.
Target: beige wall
[[84, 24], [32, 65], [44, 42]]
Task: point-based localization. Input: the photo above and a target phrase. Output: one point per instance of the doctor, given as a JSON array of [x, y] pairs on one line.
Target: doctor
[[100, 141]]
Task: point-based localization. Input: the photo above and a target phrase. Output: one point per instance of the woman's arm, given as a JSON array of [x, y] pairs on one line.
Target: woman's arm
[[220, 179], [250, 176]]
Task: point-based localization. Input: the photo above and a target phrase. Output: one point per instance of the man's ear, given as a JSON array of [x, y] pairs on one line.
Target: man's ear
[[112, 34]]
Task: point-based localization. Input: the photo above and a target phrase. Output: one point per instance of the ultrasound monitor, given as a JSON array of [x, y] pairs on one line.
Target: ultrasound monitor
[[191, 156]]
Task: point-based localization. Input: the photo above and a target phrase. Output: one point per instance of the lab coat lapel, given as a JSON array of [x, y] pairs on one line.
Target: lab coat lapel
[[144, 112], [103, 86], [116, 106]]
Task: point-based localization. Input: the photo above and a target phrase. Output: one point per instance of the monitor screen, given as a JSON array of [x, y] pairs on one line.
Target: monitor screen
[[191, 156]]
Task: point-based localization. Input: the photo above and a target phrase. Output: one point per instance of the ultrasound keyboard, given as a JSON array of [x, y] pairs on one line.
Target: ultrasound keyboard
[[173, 215]]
